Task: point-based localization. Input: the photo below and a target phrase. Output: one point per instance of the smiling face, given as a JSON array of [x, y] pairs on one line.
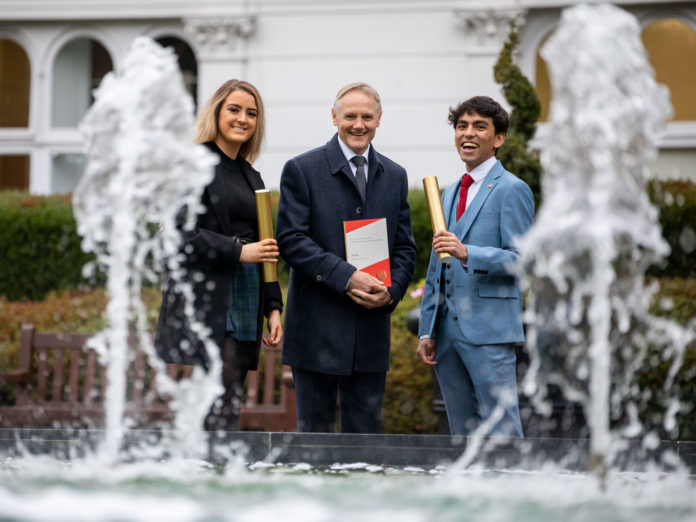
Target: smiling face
[[356, 116], [236, 122], [476, 139]]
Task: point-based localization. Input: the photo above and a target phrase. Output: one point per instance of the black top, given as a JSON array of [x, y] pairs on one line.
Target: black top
[[241, 198], [209, 251]]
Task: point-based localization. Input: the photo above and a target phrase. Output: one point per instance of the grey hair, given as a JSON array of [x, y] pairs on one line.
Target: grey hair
[[360, 86]]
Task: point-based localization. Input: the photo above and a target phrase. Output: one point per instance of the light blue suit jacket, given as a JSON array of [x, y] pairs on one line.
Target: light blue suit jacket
[[485, 295]]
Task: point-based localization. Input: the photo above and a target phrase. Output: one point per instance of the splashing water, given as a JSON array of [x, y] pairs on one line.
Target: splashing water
[[589, 329], [142, 168]]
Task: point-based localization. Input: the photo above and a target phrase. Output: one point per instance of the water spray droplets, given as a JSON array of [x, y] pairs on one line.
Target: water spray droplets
[[142, 170]]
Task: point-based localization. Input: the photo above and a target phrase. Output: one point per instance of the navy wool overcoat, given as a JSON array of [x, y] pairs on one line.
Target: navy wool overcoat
[[325, 331]]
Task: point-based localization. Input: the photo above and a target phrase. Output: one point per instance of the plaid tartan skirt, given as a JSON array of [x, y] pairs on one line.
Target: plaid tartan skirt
[[243, 304]]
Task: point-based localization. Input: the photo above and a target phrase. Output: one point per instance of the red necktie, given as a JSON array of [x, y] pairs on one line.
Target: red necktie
[[463, 191]]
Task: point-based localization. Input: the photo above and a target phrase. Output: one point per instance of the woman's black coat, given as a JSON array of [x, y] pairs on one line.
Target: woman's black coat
[[210, 250]]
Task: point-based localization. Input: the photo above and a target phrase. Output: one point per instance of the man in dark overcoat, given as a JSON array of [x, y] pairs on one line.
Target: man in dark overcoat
[[337, 319]]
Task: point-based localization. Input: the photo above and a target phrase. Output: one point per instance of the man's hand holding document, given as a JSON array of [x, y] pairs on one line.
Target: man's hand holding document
[[367, 247]]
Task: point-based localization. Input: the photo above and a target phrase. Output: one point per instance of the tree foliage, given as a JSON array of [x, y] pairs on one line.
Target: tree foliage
[[515, 154]]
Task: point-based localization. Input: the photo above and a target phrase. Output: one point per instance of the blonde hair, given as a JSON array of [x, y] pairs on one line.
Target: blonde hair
[[207, 121], [360, 86]]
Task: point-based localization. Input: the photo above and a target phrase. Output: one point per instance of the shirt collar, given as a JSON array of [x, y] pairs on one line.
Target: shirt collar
[[482, 170], [349, 153]]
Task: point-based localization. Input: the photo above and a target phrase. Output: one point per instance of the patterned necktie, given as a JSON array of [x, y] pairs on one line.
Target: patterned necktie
[[463, 191], [360, 179]]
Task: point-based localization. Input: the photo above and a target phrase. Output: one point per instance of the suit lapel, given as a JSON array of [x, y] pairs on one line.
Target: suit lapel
[[487, 186], [339, 164], [374, 170], [218, 198], [251, 175], [337, 161], [449, 200]]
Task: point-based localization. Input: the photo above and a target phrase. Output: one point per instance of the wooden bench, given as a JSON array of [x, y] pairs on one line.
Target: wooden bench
[[59, 381]]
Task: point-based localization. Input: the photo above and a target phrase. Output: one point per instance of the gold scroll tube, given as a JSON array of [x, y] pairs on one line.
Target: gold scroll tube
[[437, 216], [265, 220]]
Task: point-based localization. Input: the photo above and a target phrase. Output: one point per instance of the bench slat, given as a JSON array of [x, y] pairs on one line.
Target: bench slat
[[42, 375], [57, 388], [104, 377], [24, 360], [269, 378], [59, 340], [78, 385], [74, 376], [90, 374], [139, 377], [252, 397], [151, 396]]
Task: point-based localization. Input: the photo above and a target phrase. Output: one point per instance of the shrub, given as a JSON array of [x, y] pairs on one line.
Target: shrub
[[676, 201], [40, 244], [515, 154], [422, 231], [408, 398], [408, 401], [43, 249], [676, 299]]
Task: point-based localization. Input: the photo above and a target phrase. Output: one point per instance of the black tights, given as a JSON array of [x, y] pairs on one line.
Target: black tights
[[224, 413]]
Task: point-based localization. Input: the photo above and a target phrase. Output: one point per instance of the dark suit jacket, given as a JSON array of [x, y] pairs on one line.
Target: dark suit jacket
[[210, 250], [325, 331]]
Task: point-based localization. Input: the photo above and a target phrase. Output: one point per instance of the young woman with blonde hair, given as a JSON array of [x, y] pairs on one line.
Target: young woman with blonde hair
[[223, 255]]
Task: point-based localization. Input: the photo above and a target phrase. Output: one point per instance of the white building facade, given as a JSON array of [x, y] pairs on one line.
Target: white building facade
[[422, 56]]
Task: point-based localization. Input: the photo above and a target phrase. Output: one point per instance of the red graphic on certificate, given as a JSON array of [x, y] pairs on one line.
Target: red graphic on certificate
[[367, 247]]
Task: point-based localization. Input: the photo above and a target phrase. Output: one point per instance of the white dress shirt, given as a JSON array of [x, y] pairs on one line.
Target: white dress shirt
[[479, 173], [349, 154]]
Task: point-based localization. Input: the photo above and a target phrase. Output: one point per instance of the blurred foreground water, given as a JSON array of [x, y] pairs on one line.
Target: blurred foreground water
[[190, 490], [585, 259]]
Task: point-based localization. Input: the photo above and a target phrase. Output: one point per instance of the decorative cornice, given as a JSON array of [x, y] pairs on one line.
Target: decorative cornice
[[218, 38], [488, 28]]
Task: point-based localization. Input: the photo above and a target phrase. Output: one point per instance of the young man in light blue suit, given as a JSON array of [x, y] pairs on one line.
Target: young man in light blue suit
[[470, 318]]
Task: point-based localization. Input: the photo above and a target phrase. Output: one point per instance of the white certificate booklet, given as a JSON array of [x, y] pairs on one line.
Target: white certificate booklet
[[367, 247]]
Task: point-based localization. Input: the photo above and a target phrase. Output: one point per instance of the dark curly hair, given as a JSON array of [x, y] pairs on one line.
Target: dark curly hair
[[485, 106]]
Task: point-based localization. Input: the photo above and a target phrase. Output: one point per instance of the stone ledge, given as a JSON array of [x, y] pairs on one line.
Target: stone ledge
[[321, 450]]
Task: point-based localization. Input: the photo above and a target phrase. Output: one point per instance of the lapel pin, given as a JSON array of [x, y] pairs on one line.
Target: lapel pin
[[490, 186]]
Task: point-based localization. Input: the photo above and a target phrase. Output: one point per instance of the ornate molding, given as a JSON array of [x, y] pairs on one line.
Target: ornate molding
[[488, 28], [219, 38]]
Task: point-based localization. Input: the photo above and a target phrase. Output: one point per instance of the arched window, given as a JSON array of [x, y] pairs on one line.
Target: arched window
[[671, 46], [187, 62], [79, 68], [14, 85], [542, 82]]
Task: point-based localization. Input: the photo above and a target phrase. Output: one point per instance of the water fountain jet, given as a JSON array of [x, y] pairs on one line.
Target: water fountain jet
[[589, 326], [142, 169], [190, 490]]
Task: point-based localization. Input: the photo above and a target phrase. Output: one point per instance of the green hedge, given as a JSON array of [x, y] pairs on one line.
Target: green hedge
[[680, 296], [516, 154], [408, 399], [40, 245], [422, 231], [677, 203], [43, 253]]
